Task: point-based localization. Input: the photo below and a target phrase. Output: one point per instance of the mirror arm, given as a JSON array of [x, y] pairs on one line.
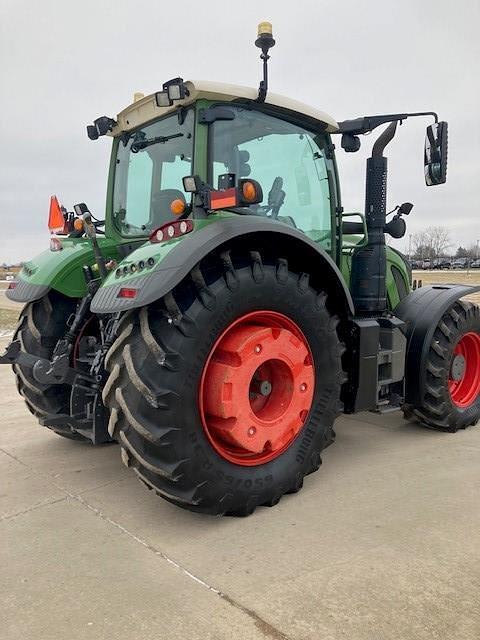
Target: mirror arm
[[366, 124]]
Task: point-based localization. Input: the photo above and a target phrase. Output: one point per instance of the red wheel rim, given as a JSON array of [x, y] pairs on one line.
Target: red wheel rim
[[464, 384], [256, 388]]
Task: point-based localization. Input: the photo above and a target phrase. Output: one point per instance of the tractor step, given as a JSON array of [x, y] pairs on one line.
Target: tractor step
[[92, 427], [388, 408], [79, 421]]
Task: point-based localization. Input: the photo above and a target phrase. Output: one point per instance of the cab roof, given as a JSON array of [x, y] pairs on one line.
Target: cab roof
[[146, 109]]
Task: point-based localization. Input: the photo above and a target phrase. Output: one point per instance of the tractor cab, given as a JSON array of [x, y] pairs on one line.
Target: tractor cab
[[224, 137]]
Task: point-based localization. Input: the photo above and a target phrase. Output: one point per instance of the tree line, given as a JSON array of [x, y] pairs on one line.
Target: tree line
[[435, 242]]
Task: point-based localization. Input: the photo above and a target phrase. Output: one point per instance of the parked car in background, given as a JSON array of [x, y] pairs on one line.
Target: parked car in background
[[475, 264], [460, 263], [442, 263], [426, 264]]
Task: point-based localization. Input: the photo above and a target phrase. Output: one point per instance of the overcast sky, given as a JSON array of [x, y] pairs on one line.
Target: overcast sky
[[63, 63]]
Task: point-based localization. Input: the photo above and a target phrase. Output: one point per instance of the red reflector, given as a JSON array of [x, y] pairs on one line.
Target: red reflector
[[222, 199], [12, 285], [125, 292]]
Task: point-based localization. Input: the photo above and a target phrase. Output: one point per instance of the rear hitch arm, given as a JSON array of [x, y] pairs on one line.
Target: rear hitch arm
[[57, 371]]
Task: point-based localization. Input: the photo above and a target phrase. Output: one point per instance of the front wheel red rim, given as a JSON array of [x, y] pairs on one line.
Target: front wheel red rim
[[256, 388], [464, 377]]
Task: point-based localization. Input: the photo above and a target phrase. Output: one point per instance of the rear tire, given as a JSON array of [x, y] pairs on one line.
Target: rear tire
[[41, 324], [156, 367], [451, 398]]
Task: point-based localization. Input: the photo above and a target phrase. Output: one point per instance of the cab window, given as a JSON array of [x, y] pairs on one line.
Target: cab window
[[288, 161], [150, 164]]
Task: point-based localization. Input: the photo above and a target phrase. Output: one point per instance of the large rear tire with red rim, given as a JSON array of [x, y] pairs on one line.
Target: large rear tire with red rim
[[223, 394], [451, 397]]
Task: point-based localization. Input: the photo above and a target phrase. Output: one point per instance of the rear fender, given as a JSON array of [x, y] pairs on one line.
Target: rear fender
[[59, 270], [421, 311], [171, 267]]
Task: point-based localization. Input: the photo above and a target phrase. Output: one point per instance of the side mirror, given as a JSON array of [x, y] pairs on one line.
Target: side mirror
[[100, 127], [435, 157]]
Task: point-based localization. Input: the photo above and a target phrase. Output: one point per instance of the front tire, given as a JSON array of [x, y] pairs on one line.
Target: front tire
[[451, 397], [166, 405]]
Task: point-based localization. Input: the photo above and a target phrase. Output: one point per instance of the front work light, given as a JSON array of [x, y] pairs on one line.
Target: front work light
[[174, 92], [192, 184], [162, 99], [174, 89]]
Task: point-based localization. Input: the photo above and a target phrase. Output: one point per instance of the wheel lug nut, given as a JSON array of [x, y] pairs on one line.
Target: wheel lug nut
[[258, 348], [252, 431], [303, 387]]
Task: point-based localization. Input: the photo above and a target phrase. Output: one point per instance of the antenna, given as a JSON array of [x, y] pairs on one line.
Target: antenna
[[264, 42]]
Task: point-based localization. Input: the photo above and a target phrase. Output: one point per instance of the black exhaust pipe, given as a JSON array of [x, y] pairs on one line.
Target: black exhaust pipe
[[369, 262]]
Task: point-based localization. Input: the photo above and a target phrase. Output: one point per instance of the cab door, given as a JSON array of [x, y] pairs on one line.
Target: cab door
[[282, 156]]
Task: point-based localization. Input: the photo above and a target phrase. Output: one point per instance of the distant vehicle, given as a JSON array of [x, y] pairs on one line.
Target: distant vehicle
[[460, 263], [442, 263], [426, 264], [475, 264], [10, 276]]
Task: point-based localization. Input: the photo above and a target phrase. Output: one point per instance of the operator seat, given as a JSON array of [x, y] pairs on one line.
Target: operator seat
[[161, 205]]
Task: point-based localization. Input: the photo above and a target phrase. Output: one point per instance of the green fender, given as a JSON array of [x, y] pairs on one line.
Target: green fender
[[153, 270], [59, 270]]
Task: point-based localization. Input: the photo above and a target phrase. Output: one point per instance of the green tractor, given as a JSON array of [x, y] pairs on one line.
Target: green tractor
[[227, 309]]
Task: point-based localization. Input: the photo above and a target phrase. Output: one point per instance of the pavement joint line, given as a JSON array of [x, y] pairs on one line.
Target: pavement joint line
[[265, 627], [99, 486], [38, 505], [262, 625]]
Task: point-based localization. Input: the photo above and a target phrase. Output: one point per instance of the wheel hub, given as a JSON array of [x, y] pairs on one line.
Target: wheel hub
[[464, 377], [457, 369], [257, 388]]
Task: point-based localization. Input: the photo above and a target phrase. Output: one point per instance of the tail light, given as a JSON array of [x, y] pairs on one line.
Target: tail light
[[171, 230], [126, 292]]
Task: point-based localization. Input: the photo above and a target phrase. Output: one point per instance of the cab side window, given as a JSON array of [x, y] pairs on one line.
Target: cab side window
[[282, 157]]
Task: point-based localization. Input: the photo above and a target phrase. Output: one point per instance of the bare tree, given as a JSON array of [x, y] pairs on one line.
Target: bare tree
[[431, 243], [472, 251]]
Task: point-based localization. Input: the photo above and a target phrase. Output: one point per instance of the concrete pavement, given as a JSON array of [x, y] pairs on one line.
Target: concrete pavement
[[383, 542]]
